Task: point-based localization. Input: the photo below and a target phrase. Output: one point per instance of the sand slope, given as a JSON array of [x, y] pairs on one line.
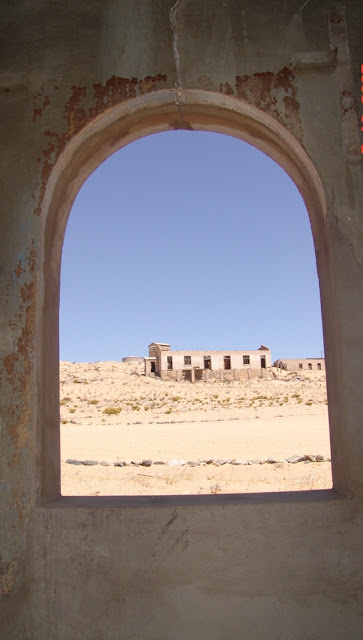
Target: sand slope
[[111, 412]]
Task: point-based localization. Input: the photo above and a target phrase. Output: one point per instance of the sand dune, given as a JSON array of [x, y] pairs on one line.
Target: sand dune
[[110, 412]]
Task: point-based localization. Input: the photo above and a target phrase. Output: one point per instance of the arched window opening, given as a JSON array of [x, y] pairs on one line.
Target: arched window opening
[[189, 255]]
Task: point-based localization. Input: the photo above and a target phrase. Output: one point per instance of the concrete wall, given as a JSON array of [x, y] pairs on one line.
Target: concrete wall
[[78, 81]]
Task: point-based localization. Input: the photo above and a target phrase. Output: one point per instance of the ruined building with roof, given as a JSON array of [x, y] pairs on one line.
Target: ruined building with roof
[[205, 365]]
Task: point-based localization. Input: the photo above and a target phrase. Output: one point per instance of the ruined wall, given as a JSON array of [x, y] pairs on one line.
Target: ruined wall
[[294, 364], [205, 375], [77, 82], [217, 359]]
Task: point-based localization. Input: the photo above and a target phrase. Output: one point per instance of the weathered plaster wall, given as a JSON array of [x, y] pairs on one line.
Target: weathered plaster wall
[[71, 77], [217, 359]]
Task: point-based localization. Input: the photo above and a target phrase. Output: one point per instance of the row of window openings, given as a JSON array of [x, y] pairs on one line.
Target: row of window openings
[[207, 361], [226, 362], [310, 366]]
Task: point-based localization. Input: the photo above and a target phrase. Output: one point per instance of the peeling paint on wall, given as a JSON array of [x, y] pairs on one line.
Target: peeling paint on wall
[[274, 93], [115, 91]]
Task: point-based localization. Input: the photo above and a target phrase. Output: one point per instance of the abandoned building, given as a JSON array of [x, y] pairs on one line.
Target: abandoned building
[[79, 81], [203, 365], [299, 364]]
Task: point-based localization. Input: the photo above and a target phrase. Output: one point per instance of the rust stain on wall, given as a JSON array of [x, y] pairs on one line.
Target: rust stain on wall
[[17, 365], [40, 102], [19, 269], [7, 580], [274, 93], [78, 115], [17, 373], [226, 88]]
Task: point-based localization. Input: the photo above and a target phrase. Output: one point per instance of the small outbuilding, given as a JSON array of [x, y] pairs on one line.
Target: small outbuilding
[[300, 364]]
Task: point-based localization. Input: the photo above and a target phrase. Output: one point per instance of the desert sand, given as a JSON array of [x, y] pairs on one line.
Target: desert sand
[[110, 412]]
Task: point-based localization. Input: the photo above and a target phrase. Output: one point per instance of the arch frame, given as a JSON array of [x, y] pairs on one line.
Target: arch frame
[[118, 126]]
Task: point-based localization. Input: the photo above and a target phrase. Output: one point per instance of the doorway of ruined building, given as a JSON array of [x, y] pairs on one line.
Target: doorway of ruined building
[[220, 119], [227, 363]]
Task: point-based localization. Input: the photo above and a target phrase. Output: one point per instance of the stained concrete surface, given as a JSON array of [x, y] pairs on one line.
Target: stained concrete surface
[[77, 81]]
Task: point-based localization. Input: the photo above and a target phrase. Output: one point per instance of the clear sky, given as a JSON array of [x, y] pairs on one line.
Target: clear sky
[[192, 238]]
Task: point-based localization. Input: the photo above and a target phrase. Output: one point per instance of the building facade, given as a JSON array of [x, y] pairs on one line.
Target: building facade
[[298, 364], [194, 365]]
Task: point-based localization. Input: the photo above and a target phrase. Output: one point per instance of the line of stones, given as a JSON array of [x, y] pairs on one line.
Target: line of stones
[[201, 462]]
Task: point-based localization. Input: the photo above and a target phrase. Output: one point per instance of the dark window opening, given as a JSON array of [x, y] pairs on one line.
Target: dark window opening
[[207, 362], [310, 366], [246, 359], [152, 367], [227, 362], [263, 362], [300, 365], [187, 359], [319, 366], [169, 361]]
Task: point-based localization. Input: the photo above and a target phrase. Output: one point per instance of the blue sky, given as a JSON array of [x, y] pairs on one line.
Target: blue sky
[[191, 238]]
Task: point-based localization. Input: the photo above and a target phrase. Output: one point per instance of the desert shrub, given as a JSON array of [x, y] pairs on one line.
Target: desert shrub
[[72, 410], [112, 411], [94, 401]]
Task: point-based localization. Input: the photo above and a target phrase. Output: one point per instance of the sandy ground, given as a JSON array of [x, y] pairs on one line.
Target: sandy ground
[[111, 412]]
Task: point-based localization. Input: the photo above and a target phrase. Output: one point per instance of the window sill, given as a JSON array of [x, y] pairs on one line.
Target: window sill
[[228, 499]]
